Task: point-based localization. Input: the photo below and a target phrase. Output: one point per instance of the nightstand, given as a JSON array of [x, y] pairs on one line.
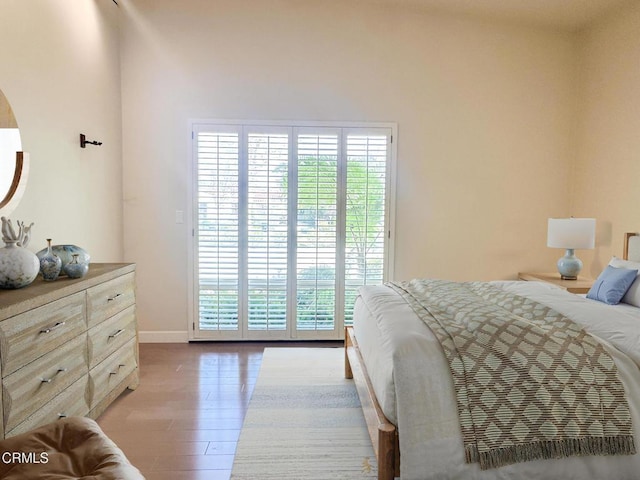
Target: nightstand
[[581, 285]]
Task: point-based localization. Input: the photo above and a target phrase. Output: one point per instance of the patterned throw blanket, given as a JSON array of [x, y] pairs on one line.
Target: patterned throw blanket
[[530, 383]]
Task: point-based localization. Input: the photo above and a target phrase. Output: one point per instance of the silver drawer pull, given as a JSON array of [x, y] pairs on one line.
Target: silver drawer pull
[[49, 380], [50, 329], [62, 415], [111, 299], [118, 369], [114, 335]]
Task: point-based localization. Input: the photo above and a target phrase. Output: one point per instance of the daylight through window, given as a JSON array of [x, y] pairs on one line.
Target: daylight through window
[[290, 221]]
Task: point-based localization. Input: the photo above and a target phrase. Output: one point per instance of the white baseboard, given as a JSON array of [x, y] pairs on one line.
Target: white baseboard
[[170, 336]]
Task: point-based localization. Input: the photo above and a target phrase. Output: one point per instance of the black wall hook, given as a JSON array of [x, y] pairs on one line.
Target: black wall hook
[[84, 141]]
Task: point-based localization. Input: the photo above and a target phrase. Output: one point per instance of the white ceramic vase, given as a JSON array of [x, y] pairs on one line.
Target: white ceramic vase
[[18, 266]]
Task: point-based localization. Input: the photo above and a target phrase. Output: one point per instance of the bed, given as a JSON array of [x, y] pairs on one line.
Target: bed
[[410, 405]]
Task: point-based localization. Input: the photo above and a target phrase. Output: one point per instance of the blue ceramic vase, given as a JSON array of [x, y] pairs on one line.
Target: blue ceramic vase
[[74, 269], [50, 264]]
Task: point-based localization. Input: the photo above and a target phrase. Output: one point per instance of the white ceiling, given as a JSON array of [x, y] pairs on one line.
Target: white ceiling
[[565, 14]]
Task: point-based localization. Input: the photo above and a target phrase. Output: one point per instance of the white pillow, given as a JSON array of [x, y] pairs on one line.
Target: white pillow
[[632, 297]]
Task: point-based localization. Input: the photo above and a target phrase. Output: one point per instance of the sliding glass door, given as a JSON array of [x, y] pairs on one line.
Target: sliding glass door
[[288, 222]]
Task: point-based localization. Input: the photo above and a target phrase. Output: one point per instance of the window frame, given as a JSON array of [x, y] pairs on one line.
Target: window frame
[[222, 125]]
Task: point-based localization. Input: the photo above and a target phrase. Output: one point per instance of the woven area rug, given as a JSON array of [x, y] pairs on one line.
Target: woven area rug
[[304, 421]]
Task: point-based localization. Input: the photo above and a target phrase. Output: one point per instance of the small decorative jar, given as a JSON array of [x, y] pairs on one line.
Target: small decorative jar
[[50, 264], [75, 269], [18, 266]]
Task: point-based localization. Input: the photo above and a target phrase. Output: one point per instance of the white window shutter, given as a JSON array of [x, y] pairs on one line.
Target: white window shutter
[[281, 257], [218, 230]]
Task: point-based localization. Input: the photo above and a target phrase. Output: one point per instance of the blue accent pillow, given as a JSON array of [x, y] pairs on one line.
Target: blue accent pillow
[[612, 284]]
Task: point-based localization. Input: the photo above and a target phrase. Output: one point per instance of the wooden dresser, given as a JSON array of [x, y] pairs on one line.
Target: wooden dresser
[[67, 347]]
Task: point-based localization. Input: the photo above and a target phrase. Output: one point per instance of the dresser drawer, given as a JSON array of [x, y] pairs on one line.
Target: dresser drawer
[[36, 384], [29, 335], [71, 402], [108, 374], [106, 337], [109, 298]]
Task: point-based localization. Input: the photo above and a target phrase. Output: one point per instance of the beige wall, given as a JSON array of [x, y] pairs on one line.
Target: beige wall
[[608, 160], [485, 112], [59, 69]]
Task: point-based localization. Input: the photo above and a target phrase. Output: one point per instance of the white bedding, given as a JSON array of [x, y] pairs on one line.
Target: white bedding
[[411, 379]]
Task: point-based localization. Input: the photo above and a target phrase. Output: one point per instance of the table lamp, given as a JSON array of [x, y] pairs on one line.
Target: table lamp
[[571, 234]]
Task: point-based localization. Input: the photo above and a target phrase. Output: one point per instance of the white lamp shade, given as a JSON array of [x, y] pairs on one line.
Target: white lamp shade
[[571, 233]]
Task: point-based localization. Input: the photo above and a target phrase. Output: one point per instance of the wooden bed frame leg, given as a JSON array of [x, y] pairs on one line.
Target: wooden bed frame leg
[[348, 373], [383, 434], [387, 452]]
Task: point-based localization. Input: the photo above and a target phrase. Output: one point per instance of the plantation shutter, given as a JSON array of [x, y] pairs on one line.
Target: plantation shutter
[[218, 230], [365, 210], [289, 222], [317, 174], [268, 158]]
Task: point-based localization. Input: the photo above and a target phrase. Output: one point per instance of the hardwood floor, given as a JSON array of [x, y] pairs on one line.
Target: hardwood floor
[[184, 420]]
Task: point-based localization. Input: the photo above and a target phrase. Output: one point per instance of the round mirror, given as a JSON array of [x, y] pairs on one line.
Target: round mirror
[[13, 163]]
